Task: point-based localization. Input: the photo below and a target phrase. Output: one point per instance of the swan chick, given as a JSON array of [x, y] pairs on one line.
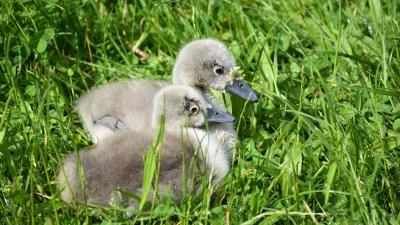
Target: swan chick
[[117, 162]]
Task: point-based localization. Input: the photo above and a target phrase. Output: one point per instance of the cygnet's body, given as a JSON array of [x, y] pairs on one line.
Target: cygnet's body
[[117, 161], [201, 64]]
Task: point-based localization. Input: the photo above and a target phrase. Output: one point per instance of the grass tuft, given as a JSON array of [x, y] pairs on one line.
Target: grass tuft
[[321, 146]]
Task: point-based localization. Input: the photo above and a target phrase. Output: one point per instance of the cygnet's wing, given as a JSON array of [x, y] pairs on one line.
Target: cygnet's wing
[[117, 106], [111, 122]]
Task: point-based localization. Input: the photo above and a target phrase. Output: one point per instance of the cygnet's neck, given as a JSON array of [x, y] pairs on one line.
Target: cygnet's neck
[[177, 80], [212, 152], [211, 149]]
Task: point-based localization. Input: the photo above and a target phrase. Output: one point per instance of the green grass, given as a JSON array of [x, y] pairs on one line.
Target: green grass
[[321, 146]]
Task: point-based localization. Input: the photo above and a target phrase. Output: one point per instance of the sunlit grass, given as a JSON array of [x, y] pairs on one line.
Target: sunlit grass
[[321, 145]]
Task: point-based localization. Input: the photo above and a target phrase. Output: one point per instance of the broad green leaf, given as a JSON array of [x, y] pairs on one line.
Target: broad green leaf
[[70, 72], [48, 221], [48, 34], [295, 68], [30, 90], [396, 125], [384, 108], [41, 46], [284, 41]]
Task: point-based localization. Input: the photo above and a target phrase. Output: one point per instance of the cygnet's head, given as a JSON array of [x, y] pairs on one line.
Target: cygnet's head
[[184, 106], [206, 64]]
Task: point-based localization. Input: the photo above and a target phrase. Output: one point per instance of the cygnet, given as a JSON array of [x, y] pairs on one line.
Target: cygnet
[[117, 162]]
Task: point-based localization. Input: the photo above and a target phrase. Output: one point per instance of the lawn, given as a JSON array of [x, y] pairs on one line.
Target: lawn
[[321, 146]]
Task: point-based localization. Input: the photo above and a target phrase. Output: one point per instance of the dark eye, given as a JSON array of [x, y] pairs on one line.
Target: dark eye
[[219, 70], [194, 109]]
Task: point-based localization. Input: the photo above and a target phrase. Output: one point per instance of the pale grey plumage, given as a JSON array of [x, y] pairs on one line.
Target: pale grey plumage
[[117, 161]]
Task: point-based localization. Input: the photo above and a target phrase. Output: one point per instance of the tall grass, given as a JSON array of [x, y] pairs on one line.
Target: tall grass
[[321, 146]]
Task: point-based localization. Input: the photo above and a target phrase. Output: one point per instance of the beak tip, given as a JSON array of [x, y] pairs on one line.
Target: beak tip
[[217, 116], [243, 90], [254, 97]]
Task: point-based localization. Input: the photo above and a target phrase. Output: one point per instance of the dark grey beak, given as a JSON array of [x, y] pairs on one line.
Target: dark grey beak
[[219, 116], [241, 89]]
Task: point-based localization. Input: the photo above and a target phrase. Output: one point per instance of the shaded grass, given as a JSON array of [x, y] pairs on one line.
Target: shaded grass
[[321, 145]]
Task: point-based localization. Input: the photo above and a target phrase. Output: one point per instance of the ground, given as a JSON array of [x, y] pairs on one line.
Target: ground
[[321, 145]]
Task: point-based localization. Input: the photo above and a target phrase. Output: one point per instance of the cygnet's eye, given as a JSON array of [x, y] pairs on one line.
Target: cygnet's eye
[[194, 109], [218, 70]]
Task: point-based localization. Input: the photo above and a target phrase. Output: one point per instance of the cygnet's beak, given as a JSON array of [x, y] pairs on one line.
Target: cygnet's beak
[[241, 89], [219, 116]]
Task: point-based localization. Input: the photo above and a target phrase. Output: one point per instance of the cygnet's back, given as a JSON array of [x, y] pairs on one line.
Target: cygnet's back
[[118, 106], [117, 162]]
